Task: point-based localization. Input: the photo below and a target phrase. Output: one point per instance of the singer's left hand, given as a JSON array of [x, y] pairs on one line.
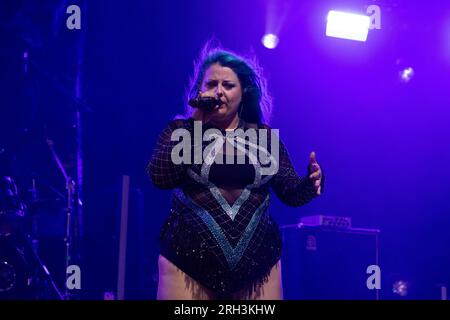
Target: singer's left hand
[[316, 175]]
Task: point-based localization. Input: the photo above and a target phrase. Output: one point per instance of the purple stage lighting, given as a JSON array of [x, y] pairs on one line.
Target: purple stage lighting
[[347, 25], [270, 41]]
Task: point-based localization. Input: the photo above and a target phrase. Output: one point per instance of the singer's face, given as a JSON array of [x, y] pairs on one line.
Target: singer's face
[[223, 83]]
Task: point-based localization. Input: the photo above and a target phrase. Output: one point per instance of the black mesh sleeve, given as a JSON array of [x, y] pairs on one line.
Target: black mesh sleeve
[[164, 173], [291, 188]]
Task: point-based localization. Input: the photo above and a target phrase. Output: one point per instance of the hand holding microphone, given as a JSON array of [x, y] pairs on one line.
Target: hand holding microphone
[[204, 106], [205, 103]]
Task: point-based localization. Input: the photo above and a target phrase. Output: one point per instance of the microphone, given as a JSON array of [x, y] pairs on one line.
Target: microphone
[[205, 103]]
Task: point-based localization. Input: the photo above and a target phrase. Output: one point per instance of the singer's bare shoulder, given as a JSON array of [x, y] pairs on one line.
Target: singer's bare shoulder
[[266, 126], [258, 126], [182, 119], [263, 126]]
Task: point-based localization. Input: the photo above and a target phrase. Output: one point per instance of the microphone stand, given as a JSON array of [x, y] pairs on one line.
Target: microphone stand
[[70, 187]]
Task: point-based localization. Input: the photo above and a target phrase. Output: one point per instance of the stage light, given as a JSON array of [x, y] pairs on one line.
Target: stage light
[[406, 74], [270, 41], [347, 25]]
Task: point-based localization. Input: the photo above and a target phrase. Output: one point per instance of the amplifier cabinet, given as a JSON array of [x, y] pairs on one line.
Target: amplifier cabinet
[[325, 264]]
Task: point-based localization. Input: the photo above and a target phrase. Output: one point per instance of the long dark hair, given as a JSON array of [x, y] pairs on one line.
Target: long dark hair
[[256, 105]]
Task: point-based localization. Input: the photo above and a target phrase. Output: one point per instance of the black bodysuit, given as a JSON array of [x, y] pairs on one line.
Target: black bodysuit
[[219, 231]]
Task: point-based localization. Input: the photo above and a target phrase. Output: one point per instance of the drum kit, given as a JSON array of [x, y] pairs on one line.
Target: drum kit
[[23, 275]]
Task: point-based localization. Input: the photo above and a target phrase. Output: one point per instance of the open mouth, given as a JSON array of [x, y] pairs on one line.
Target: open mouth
[[220, 106]]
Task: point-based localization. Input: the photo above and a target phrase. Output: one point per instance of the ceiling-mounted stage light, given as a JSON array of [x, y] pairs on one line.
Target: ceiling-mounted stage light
[[347, 25], [270, 41]]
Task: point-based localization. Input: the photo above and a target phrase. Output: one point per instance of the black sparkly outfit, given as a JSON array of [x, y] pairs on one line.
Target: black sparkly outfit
[[219, 231]]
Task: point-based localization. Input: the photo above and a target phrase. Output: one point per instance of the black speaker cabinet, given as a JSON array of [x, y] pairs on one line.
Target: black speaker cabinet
[[328, 264]]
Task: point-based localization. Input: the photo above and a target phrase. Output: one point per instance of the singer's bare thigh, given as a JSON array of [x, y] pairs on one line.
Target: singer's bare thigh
[[174, 284], [272, 289]]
